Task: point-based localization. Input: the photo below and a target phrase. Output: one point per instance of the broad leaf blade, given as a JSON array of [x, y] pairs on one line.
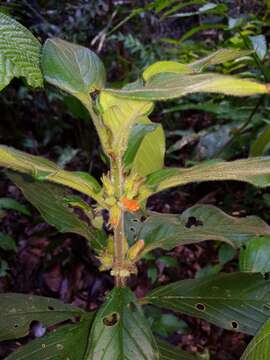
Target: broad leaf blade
[[259, 347], [237, 301], [43, 169], [255, 256], [255, 171], [196, 224], [21, 310], [169, 352], [50, 200], [72, 68], [120, 330], [67, 342], [167, 86], [19, 53]]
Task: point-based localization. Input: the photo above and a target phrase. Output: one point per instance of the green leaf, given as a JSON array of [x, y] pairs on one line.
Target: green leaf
[[260, 146], [219, 57], [259, 347], [135, 139], [255, 171], [66, 342], [7, 243], [120, 330], [19, 53], [21, 310], [72, 68], [166, 67], [11, 204], [169, 352], [236, 301], [43, 169], [50, 200], [196, 224], [151, 153], [167, 86], [255, 256]]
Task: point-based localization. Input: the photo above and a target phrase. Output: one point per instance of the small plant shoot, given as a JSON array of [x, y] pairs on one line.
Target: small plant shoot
[[134, 147]]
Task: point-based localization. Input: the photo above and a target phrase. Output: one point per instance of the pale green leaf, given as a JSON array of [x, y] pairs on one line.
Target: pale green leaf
[[259, 347], [255, 256], [120, 330], [196, 224], [72, 68], [19, 53], [21, 310], [236, 301], [167, 86], [43, 169], [255, 171], [166, 67], [259, 44]]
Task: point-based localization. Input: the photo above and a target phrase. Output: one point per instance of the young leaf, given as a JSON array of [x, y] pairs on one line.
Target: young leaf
[[43, 169], [236, 301], [120, 330], [21, 310], [196, 224], [66, 342], [12, 204], [19, 53], [169, 352], [50, 200], [255, 171], [218, 57], [72, 68], [255, 256], [259, 347]]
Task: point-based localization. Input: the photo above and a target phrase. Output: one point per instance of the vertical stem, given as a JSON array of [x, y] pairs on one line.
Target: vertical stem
[[119, 231]]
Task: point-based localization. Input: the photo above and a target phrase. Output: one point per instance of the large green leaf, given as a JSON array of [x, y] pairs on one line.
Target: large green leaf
[[18, 311], [166, 86], [19, 53], [120, 330], [43, 169], [73, 68], [255, 256], [67, 342], [50, 200], [255, 171], [259, 347], [169, 352], [236, 301], [196, 224]]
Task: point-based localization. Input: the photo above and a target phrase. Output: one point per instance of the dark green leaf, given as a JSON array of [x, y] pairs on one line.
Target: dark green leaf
[[237, 301], [255, 256], [19, 311], [260, 146], [73, 68], [11, 204], [19, 53], [50, 200], [7, 243], [196, 224], [120, 330], [169, 352], [67, 342]]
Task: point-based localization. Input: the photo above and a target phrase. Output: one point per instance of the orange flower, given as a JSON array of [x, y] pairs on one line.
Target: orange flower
[[130, 205]]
